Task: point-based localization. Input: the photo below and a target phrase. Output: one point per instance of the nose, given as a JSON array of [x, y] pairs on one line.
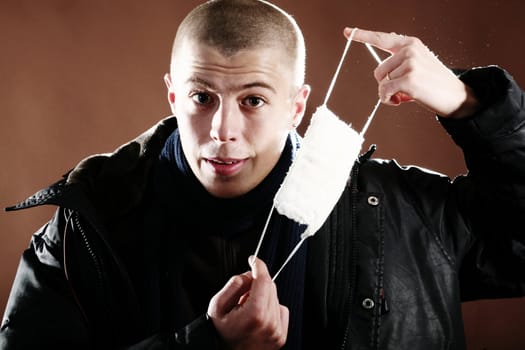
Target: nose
[[226, 123]]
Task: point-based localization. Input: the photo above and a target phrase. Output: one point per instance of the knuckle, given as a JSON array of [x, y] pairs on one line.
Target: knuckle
[[411, 79], [278, 337], [236, 281], [410, 52], [413, 41], [258, 313], [377, 74], [410, 66]]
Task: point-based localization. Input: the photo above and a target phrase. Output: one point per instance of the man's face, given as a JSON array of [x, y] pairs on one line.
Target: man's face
[[234, 113]]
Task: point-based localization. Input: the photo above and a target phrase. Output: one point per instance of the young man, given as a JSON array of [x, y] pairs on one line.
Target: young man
[[149, 245]]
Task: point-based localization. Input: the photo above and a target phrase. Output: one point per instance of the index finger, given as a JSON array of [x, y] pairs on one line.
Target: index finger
[[258, 268], [385, 41], [262, 282]]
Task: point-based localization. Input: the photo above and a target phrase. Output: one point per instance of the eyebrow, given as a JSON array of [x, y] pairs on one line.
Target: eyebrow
[[199, 81], [209, 85]]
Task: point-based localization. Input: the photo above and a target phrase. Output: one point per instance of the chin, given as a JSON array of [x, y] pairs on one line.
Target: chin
[[226, 193], [228, 190]]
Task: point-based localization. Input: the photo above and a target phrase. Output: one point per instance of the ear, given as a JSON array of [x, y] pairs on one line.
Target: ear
[[171, 93], [300, 104]]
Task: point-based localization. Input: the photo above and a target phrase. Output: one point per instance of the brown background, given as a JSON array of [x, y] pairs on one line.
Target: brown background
[[82, 77]]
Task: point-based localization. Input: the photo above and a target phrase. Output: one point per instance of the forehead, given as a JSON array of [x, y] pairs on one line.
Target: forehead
[[197, 58]]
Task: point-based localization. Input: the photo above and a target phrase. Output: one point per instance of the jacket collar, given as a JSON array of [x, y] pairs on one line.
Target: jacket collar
[[105, 180], [114, 182]]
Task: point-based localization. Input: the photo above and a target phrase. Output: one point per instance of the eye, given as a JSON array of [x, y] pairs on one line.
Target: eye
[[253, 102], [202, 98]]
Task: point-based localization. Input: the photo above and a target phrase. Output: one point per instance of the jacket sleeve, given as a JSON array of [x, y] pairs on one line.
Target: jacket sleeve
[[43, 311], [492, 196], [199, 334]]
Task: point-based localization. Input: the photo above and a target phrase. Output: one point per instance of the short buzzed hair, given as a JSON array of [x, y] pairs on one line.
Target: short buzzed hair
[[234, 25]]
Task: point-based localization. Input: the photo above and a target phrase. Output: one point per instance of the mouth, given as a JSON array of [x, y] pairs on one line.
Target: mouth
[[225, 166], [225, 162]]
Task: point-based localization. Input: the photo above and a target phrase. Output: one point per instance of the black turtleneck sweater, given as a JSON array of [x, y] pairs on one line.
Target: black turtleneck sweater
[[208, 239]]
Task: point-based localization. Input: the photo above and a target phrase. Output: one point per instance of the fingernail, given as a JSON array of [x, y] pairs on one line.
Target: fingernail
[[251, 261], [395, 99]]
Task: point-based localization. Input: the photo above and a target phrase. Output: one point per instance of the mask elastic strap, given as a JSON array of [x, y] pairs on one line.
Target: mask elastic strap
[[336, 74], [332, 83], [363, 131]]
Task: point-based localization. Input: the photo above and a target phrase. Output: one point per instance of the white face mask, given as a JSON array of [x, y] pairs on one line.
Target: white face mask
[[321, 169]]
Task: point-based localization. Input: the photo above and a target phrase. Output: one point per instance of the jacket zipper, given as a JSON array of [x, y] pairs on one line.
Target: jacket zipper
[[101, 275], [353, 264], [96, 262], [74, 219]]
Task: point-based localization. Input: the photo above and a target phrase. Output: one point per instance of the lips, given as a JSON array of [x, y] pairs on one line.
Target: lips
[[226, 166], [224, 162]]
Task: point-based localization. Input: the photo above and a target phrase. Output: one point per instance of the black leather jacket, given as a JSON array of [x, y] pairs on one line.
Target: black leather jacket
[[388, 270]]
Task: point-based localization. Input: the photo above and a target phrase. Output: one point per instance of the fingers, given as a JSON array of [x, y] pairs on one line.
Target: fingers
[[272, 316], [391, 68], [263, 291], [232, 294], [259, 272], [247, 313], [400, 97], [398, 75], [389, 42], [413, 73], [285, 318], [393, 76]]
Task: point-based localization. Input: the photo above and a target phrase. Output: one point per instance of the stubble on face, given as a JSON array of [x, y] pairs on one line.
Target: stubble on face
[[230, 168]]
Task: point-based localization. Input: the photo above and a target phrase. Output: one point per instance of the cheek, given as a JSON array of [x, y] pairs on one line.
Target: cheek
[[270, 140], [273, 128], [191, 146], [178, 106], [193, 125]]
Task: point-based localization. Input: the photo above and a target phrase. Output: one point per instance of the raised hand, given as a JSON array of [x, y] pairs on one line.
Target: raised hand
[[414, 73], [246, 311]]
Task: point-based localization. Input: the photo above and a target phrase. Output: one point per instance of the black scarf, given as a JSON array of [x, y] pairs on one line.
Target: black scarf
[[230, 218]]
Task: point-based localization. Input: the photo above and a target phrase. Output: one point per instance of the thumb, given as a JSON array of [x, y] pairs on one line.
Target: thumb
[[229, 296], [258, 267]]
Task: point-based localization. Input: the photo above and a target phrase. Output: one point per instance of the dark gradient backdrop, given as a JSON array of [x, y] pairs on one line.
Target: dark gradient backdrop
[[83, 76]]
